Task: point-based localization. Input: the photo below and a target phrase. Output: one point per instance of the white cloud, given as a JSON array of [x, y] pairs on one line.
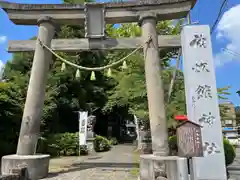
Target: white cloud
[[3, 39], [1, 69], [229, 29], [1, 64]]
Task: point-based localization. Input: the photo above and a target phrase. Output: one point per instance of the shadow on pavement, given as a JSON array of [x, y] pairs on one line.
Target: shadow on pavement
[[105, 166], [87, 165]]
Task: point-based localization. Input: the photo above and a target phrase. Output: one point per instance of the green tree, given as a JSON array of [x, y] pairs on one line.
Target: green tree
[[130, 90], [10, 113], [64, 93], [238, 92], [223, 94]]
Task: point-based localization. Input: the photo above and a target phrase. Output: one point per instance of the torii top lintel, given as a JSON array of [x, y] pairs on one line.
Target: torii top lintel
[[116, 12]]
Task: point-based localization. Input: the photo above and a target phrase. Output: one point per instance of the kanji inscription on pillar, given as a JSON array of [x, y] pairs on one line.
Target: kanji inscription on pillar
[[198, 41], [200, 67], [207, 118], [203, 91], [202, 100], [210, 148]]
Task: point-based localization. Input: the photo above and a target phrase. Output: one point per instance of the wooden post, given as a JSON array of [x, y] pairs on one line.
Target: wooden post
[[158, 123], [30, 127]]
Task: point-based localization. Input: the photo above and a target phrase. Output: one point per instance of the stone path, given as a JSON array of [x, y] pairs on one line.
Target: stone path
[[118, 164], [234, 168]]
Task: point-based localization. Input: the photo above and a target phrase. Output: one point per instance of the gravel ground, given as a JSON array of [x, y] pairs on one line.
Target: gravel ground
[[118, 164]]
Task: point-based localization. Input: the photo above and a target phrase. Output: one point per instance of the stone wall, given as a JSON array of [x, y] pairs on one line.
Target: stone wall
[[16, 174]]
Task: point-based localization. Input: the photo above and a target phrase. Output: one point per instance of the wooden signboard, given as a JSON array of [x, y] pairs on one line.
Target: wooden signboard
[[189, 140]]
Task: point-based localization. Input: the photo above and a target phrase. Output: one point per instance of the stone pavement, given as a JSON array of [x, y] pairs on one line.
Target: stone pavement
[[118, 164]]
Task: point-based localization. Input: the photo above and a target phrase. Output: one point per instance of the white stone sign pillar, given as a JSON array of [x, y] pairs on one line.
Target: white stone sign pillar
[[202, 101]]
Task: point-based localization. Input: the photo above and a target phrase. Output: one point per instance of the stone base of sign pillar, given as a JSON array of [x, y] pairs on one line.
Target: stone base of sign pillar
[[90, 146], [176, 167], [37, 165], [91, 149]]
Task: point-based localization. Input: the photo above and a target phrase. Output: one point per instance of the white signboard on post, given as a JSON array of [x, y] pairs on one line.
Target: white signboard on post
[[202, 101], [83, 117]]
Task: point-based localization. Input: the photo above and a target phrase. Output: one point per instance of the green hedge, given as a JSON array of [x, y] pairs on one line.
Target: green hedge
[[67, 144], [113, 141], [102, 144], [229, 149], [230, 152]]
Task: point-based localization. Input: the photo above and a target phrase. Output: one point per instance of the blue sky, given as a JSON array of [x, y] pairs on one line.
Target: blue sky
[[226, 35]]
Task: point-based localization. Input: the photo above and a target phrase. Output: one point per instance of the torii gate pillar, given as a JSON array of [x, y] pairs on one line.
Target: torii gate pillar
[[157, 114], [30, 128]]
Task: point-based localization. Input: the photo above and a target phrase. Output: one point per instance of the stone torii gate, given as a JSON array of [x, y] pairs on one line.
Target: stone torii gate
[[94, 16]]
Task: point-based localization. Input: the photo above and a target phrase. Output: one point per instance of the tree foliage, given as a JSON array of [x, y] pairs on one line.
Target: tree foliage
[[65, 94], [10, 115], [223, 94]]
